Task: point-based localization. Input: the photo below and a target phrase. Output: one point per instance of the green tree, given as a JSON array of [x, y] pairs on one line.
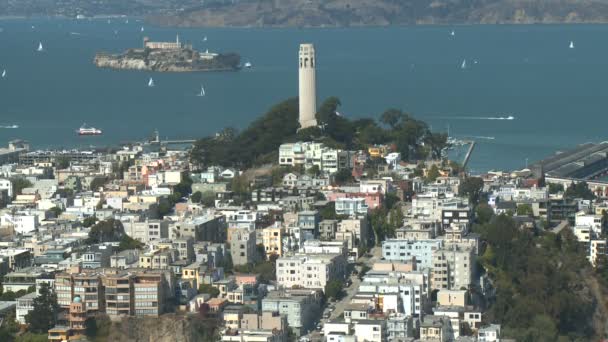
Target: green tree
[[126, 242], [484, 213], [97, 183], [432, 173], [20, 183], [106, 231], [555, 188], [56, 211], [44, 313], [207, 288], [525, 210], [89, 221], [164, 209], [436, 142], [314, 171], [62, 162], [472, 188], [579, 190], [392, 117], [334, 289], [196, 197], [343, 176], [208, 199]]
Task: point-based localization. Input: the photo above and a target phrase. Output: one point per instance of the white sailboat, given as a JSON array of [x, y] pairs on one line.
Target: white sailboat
[[4, 73], [453, 33], [40, 48], [571, 44], [464, 64], [248, 65], [142, 29], [202, 93], [150, 82], [205, 38]]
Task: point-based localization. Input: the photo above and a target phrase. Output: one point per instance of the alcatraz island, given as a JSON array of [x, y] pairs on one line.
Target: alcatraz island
[[168, 57]]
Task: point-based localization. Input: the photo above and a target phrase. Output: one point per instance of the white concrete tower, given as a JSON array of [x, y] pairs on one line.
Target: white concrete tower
[[308, 92]]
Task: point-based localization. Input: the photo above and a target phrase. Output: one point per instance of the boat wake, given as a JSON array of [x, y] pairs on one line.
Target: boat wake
[[480, 137], [509, 118], [9, 126]]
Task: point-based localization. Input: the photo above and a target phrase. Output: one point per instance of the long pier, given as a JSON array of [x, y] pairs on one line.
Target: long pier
[[468, 155]]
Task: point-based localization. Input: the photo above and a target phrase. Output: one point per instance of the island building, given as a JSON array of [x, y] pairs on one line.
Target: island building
[[177, 45], [307, 89], [163, 45]]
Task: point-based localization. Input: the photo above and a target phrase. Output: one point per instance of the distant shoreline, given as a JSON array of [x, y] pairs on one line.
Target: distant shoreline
[[156, 21]]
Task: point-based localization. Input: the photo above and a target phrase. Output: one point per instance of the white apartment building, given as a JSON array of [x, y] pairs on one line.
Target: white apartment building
[[595, 222], [351, 206], [21, 223], [404, 250], [25, 304], [411, 295], [6, 184], [311, 154], [370, 330], [310, 271], [324, 247]]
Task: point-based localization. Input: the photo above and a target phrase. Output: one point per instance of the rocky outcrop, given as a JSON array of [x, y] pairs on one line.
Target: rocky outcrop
[[166, 328]]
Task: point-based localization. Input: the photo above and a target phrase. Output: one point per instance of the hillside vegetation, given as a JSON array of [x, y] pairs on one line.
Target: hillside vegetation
[[314, 13], [259, 143]]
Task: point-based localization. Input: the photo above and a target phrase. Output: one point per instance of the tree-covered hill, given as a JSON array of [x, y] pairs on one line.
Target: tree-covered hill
[[304, 13], [259, 143]]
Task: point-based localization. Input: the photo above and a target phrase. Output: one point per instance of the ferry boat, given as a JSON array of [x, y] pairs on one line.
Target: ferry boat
[[84, 130]]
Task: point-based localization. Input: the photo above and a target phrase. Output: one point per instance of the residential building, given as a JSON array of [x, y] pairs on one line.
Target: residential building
[[351, 206], [310, 271], [371, 330], [453, 268], [327, 229], [24, 306], [272, 239], [490, 333], [436, 328], [301, 307], [404, 250], [97, 256], [148, 230], [243, 246]]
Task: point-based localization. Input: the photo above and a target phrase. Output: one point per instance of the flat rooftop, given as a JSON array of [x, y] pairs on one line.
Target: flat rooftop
[[582, 162]]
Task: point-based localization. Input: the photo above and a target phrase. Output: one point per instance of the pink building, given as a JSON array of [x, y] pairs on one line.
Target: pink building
[[372, 200], [245, 278]]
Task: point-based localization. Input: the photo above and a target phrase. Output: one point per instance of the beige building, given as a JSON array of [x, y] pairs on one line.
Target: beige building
[[159, 259], [452, 298], [272, 239], [453, 268], [242, 246], [264, 321]]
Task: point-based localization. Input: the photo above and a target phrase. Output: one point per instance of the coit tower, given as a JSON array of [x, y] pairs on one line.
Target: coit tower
[[308, 94]]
